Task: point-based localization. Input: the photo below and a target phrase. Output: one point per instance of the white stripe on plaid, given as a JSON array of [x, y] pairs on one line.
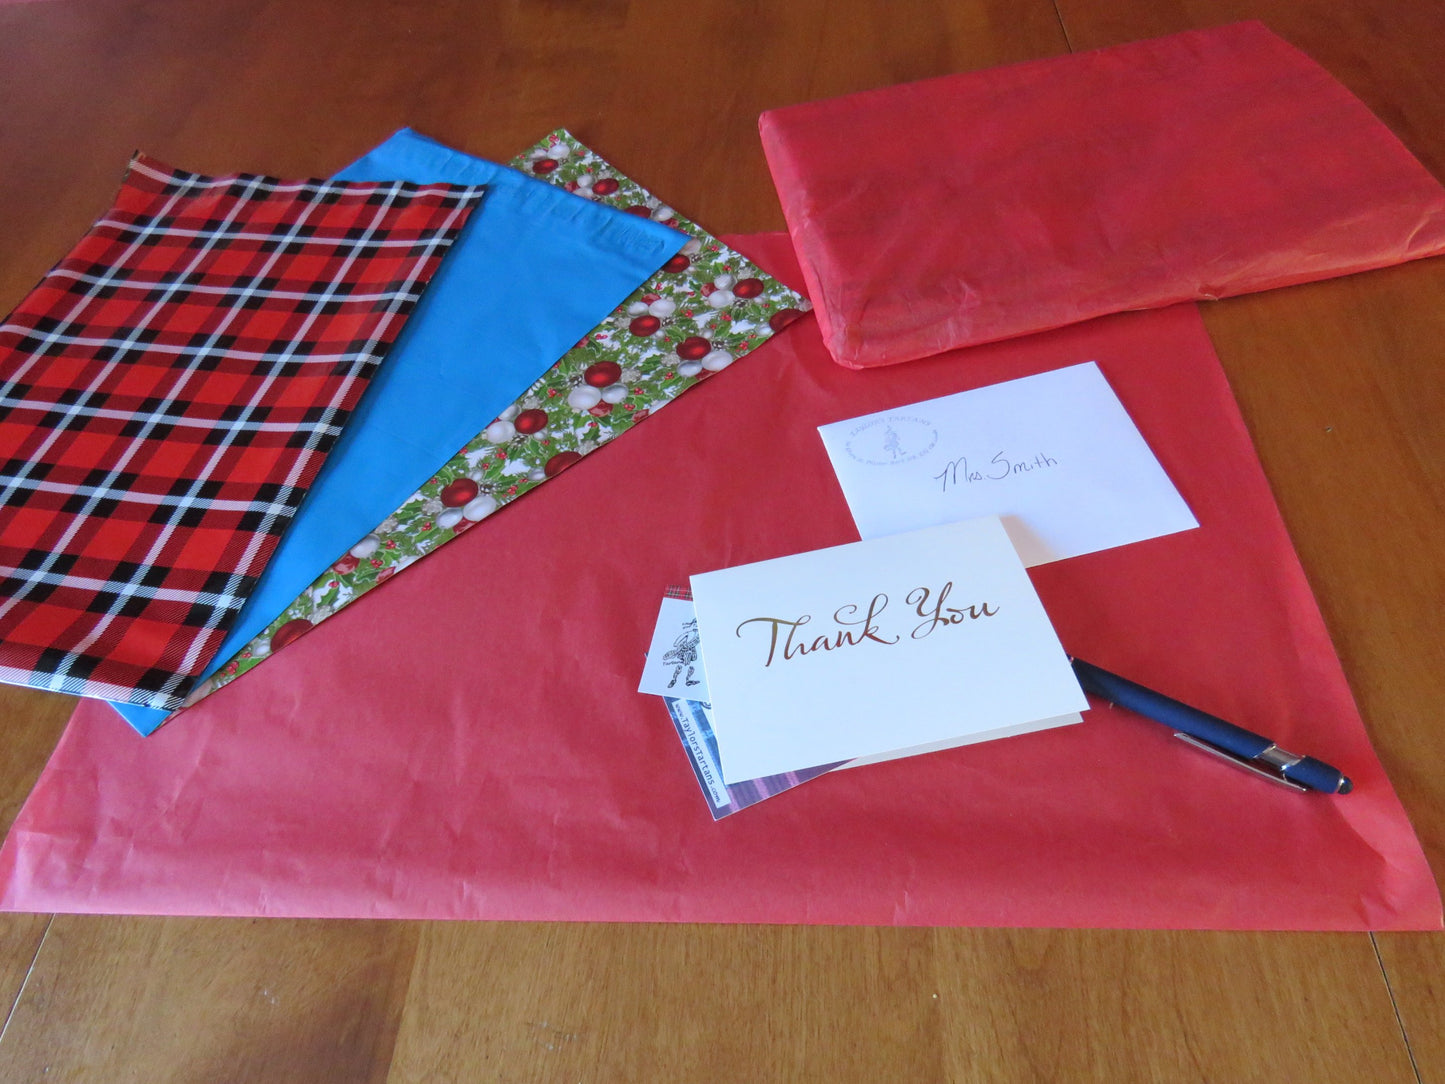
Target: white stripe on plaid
[[91, 686], [89, 583], [147, 285], [45, 406], [178, 351], [158, 500], [318, 239]]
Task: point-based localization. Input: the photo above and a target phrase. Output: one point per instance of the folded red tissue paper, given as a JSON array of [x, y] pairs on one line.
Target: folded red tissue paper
[[981, 206]]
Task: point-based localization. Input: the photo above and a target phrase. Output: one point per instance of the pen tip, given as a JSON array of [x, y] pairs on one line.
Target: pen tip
[[1345, 785]]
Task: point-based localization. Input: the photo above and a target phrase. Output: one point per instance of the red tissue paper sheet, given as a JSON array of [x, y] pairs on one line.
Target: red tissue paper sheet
[[468, 742], [167, 395], [977, 207]]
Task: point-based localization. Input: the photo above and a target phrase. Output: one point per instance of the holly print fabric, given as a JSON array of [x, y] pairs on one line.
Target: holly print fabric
[[704, 309]]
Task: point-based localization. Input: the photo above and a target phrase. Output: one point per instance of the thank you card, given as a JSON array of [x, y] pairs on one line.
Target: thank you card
[[915, 639]]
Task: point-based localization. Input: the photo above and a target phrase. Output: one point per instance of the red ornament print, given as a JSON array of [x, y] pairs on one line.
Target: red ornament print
[[459, 492], [288, 632], [693, 348], [560, 462], [782, 318], [602, 373], [530, 421]]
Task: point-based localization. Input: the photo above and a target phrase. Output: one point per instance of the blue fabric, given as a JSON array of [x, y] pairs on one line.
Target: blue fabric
[[535, 269]]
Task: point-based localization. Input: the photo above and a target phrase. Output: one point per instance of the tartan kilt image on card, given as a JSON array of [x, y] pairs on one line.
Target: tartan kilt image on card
[[168, 393]]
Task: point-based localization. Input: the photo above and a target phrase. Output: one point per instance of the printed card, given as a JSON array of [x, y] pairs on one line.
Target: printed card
[[674, 661], [916, 639], [1054, 455]]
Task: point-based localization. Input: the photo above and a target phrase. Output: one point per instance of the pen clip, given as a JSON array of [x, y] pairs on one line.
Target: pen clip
[[1239, 762]]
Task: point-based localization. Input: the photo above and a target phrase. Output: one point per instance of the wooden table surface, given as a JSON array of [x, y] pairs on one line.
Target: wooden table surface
[[1341, 384]]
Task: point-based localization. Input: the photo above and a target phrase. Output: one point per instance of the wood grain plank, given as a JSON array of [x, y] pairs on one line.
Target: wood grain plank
[[760, 1004], [287, 87], [1386, 52], [1415, 964], [32, 724], [207, 1000], [20, 938], [1157, 1005], [666, 1003]]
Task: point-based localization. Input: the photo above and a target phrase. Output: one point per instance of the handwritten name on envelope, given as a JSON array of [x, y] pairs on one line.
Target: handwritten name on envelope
[[1055, 455], [911, 640]]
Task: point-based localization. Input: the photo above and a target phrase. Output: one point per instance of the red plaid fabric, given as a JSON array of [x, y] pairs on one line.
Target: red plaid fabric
[[168, 393]]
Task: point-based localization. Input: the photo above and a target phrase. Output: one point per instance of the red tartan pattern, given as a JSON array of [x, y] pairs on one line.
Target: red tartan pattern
[[168, 393]]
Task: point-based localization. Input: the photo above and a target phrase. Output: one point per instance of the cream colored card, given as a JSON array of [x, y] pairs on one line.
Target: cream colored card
[[875, 647]]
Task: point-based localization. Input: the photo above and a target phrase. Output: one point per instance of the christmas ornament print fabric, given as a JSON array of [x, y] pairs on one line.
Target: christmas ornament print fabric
[[168, 392], [704, 309]]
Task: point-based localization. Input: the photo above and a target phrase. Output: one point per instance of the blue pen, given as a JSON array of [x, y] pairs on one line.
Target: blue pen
[[1241, 747]]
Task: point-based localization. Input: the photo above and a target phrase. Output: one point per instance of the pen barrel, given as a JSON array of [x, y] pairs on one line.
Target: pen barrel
[[1317, 775], [1170, 712]]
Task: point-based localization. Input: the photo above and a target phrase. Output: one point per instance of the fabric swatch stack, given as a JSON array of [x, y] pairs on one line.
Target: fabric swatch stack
[[175, 385]]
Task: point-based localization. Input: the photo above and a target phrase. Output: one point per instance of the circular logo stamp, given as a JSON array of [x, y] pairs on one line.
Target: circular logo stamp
[[892, 439]]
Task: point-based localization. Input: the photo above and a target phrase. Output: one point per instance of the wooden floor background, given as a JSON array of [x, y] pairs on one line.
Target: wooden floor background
[[672, 93]]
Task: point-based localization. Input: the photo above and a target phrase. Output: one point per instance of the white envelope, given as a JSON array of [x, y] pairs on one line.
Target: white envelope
[[1055, 455], [920, 639]]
